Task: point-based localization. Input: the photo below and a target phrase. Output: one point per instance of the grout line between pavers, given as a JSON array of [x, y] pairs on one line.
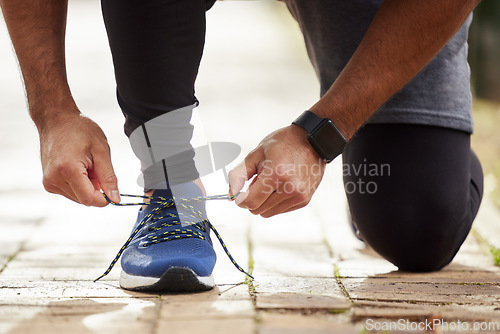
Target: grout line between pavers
[[415, 302], [338, 278], [13, 256], [75, 280], [21, 246], [156, 321], [329, 248], [249, 281], [402, 281]]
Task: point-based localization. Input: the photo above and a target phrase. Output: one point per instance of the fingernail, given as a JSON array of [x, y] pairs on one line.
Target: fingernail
[[241, 198], [115, 195], [235, 196]]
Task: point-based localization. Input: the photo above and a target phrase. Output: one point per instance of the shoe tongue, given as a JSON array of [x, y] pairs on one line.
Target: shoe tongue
[[162, 192], [162, 189], [185, 190]]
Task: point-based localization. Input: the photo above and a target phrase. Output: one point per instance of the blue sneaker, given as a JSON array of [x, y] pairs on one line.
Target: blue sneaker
[[169, 248], [172, 250]]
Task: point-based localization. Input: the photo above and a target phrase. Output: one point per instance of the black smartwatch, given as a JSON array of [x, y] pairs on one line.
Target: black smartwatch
[[323, 135]]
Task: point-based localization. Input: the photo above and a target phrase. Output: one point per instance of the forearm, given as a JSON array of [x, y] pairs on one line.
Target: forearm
[[402, 38], [37, 30]]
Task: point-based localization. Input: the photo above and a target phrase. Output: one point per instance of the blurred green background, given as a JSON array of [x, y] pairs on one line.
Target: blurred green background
[[484, 52], [484, 58]]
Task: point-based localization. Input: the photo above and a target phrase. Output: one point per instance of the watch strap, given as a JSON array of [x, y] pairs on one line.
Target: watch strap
[[322, 134], [308, 120]]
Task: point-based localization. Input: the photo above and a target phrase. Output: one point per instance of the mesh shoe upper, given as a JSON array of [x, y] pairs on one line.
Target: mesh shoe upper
[[175, 235]]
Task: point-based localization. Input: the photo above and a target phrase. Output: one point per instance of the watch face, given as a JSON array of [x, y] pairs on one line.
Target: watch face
[[327, 140]]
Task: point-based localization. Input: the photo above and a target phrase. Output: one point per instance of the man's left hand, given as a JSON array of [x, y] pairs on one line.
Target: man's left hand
[[288, 170]]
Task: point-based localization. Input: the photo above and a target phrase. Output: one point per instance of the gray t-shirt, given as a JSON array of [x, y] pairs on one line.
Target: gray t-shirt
[[439, 95]]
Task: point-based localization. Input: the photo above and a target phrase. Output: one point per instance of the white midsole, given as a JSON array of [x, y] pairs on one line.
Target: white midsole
[[131, 282]]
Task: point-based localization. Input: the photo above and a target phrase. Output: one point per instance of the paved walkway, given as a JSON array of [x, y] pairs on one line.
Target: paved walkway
[[313, 278]]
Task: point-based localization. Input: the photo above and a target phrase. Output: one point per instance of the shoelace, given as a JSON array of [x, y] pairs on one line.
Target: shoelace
[[176, 233]]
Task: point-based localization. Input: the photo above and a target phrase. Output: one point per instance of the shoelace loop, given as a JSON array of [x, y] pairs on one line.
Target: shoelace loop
[[175, 234]]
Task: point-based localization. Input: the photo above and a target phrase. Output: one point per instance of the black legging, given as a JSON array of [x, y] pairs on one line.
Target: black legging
[[156, 47], [419, 214], [413, 192]]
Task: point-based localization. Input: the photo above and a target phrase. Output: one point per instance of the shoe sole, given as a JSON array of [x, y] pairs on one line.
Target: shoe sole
[[175, 279]]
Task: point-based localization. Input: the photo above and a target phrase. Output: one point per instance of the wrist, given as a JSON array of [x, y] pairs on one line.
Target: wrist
[[344, 124], [322, 135], [301, 134], [302, 142], [53, 116]]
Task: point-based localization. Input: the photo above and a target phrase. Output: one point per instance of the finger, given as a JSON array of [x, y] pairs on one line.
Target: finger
[[273, 200], [243, 172], [83, 188], [287, 205], [259, 192], [103, 170], [94, 180], [97, 195], [64, 191], [55, 185], [295, 207]]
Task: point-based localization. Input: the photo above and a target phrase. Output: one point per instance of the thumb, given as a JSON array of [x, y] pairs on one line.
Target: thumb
[[106, 177], [244, 171]]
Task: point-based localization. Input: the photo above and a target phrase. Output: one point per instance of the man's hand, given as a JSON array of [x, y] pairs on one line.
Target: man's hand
[[75, 154], [76, 160], [288, 170]]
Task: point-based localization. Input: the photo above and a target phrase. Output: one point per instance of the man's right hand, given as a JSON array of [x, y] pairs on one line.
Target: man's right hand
[[75, 153], [76, 160]]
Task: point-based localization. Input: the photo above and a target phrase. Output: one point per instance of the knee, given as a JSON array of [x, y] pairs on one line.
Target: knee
[[418, 237], [425, 251]]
